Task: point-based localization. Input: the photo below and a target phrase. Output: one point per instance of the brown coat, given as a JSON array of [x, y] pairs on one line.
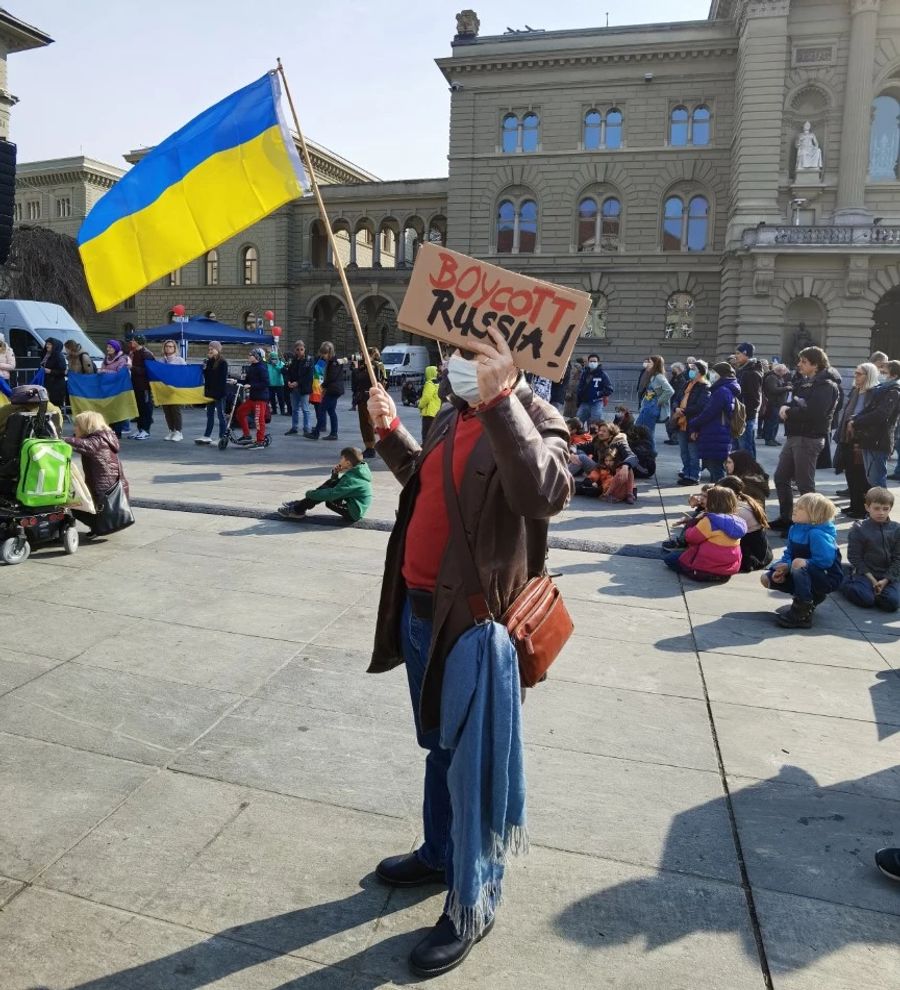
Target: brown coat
[[516, 478], [100, 460]]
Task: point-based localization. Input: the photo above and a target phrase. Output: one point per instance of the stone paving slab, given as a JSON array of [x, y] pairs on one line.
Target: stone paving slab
[[19, 668], [614, 579], [811, 944], [8, 888], [53, 630], [51, 796]]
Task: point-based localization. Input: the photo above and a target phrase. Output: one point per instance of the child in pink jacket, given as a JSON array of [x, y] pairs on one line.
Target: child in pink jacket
[[713, 540]]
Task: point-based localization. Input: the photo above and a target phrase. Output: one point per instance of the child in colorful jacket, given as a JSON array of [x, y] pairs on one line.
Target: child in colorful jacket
[[810, 567], [713, 540]]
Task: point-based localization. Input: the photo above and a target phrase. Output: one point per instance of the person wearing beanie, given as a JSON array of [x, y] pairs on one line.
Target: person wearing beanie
[[140, 354], [257, 402], [750, 378], [215, 387], [711, 428], [693, 401], [115, 360]]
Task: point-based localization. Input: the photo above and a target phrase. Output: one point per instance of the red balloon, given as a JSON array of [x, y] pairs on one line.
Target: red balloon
[[178, 310], [276, 331], [269, 315]]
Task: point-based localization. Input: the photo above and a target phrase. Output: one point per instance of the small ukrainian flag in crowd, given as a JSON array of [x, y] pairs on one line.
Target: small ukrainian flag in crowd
[[176, 384], [222, 172], [5, 392], [109, 393]]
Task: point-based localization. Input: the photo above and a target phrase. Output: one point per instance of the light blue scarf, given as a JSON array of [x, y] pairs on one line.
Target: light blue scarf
[[481, 721]]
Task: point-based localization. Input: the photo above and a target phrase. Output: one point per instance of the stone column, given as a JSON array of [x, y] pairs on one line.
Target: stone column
[[376, 250], [400, 253], [352, 248], [854, 159], [329, 254]]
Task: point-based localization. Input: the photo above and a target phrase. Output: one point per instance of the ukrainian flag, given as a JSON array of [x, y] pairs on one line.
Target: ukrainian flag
[[5, 392], [222, 172], [176, 384], [109, 393]]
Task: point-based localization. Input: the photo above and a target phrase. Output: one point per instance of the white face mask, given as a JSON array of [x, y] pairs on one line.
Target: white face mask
[[463, 378], [593, 365]]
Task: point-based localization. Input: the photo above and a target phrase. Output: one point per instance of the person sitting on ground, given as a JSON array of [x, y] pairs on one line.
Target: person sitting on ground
[[612, 480], [430, 401], [810, 567], [99, 448], [713, 540], [644, 456], [697, 504], [755, 551], [578, 434], [742, 464], [77, 359], [623, 418], [348, 491], [257, 402], [873, 549]]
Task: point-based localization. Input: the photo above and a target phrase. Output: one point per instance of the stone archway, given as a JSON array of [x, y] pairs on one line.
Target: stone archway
[[330, 321], [805, 324], [886, 324], [378, 316]]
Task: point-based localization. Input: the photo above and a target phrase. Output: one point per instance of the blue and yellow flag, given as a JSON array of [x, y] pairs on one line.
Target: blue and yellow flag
[[176, 384], [109, 393], [222, 172], [5, 392]]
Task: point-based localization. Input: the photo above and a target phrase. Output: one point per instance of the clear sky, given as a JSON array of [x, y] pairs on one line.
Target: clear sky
[[122, 74]]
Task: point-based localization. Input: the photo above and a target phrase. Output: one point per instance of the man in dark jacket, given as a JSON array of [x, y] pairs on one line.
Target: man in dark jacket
[[140, 354], [750, 378], [299, 378], [807, 421], [875, 425], [593, 387], [510, 469]]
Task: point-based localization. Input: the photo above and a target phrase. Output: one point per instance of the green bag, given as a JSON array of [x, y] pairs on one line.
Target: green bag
[[44, 473]]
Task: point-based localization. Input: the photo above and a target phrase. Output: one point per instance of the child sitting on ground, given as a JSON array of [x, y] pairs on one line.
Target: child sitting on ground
[[873, 549], [810, 567], [713, 540], [644, 462], [696, 503], [623, 418], [348, 491], [755, 551]]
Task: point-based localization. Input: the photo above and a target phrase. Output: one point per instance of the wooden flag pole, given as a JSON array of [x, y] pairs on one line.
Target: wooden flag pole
[[332, 240]]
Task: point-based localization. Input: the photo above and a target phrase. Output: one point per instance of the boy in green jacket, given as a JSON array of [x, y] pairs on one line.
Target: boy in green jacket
[[430, 403], [348, 491]]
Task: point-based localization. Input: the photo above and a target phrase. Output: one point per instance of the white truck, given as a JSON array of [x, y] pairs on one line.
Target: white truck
[[403, 361], [26, 324]]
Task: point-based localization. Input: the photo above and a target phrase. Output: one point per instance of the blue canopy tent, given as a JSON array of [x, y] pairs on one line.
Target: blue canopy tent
[[204, 329]]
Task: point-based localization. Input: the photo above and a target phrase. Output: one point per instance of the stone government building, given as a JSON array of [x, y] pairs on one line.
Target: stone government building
[[667, 169]]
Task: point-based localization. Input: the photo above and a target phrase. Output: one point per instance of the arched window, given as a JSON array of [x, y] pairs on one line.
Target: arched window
[[212, 267], [598, 225], [530, 132], [593, 124], [884, 140], [613, 136], [249, 320], [680, 316], [700, 126], [517, 227], [250, 263], [686, 226], [678, 127], [595, 323], [510, 134]]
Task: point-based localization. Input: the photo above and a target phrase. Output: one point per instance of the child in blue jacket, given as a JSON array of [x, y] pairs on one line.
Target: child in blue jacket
[[810, 567]]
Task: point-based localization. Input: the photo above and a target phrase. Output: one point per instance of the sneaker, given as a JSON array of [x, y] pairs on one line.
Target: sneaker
[[169, 435], [673, 545], [888, 861], [177, 436], [244, 441], [203, 440], [131, 434], [253, 445], [311, 436], [142, 435], [286, 512], [293, 431], [687, 481]]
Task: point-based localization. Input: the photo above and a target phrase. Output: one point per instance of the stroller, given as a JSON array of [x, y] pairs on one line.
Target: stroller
[[35, 481], [236, 395]]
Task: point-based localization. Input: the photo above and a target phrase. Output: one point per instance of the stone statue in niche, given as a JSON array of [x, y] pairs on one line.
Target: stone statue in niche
[[809, 153], [467, 24], [802, 339]]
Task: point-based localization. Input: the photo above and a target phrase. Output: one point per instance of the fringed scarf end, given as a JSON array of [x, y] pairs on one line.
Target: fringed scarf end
[[471, 921]]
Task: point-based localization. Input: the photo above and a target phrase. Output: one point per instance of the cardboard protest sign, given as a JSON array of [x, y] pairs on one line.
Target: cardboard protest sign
[[454, 298]]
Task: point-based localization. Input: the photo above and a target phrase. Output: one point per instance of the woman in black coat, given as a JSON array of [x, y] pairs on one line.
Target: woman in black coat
[[215, 387], [55, 367]]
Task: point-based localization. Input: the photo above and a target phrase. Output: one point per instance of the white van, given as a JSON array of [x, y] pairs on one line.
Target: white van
[[26, 325], [400, 360]]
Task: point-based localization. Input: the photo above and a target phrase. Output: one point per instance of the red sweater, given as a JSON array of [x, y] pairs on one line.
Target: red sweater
[[429, 528]]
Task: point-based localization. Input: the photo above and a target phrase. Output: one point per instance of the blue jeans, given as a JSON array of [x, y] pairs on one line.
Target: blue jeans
[[589, 412], [437, 849], [648, 417], [213, 407], [327, 407], [806, 582], [858, 589], [875, 463], [747, 441], [690, 459], [299, 403]]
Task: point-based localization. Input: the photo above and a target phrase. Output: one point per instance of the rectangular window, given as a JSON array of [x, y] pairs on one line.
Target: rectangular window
[[64, 207], [174, 278], [17, 214], [34, 209], [129, 303]]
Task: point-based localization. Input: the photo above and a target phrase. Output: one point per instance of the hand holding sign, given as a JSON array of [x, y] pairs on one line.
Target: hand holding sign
[[496, 368], [381, 406]]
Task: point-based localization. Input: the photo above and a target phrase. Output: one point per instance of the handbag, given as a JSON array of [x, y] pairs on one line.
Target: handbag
[[113, 511], [538, 621]]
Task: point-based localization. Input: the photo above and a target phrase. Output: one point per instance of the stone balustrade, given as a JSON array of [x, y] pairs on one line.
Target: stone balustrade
[[868, 236]]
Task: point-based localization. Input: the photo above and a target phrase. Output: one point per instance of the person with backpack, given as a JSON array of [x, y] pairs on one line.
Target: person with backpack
[[78, 359], [749, 374], [806, 415], [713, 428]]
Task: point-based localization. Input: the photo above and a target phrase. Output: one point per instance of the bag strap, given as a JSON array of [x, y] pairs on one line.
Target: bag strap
[[471, 581]]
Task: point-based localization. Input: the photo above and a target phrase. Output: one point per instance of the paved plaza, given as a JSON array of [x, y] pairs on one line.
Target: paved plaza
[[197, 777]]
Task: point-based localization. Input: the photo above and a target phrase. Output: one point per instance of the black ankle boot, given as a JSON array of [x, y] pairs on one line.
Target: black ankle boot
[[799, 616], [442, 949]]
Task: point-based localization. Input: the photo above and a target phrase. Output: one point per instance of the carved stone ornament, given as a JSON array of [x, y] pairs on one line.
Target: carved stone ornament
[[467, 24], [857, 275], [809, 154], [763, 274]]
